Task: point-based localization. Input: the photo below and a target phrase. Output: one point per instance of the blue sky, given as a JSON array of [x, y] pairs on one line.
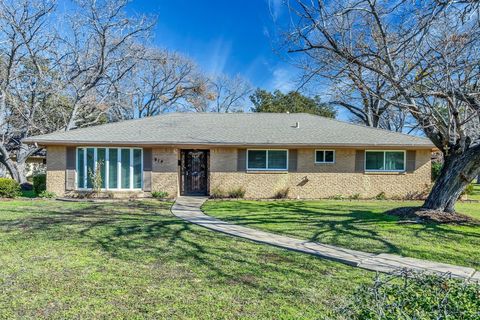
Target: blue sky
[[222, 36]]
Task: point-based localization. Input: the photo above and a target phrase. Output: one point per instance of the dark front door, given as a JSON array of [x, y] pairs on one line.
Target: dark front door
[[194, 172]]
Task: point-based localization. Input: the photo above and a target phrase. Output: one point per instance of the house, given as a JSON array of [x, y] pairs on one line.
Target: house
[[193, 153]]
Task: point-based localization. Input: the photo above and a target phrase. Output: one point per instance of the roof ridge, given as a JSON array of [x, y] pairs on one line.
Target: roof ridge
[[366, 127]]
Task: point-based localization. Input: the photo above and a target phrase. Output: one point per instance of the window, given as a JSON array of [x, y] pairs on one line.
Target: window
[[267, 160], [81, 176], [125, 169], [324, 156], [120, 168], [112, 169], [391, 161]]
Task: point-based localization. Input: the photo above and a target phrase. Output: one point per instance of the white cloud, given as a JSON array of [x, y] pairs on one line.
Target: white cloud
[[275, 7], [282, 79], [218, 57]]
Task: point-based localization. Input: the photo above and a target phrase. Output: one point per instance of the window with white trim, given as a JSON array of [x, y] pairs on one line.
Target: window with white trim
[[119, 168], [324, 156], [388, 161], [267, 159]]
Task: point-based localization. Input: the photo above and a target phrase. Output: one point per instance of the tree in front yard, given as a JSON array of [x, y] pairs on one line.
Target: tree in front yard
[[54, 80], [427, 52]]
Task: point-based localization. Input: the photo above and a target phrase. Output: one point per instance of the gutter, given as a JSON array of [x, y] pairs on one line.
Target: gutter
[[219, 144]]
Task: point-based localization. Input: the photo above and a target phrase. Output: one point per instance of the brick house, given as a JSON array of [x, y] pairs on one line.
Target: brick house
[[192, 153]]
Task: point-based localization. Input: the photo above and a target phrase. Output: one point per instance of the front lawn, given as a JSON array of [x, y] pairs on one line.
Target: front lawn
[[135, 260], [360, 225], [476, 193]]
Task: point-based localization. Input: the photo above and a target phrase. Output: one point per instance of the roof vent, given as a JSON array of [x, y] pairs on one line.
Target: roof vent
[[297, 125]]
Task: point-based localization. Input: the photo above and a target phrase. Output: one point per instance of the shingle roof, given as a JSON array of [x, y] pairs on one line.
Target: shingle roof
[[233, 129]]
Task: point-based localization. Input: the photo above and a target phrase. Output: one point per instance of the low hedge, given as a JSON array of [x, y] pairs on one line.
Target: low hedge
[[9, 188]]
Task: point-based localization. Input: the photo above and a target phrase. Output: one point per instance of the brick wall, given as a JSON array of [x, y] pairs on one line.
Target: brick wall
[[56, 166], [318, 180], [165, 170], [309, 181]]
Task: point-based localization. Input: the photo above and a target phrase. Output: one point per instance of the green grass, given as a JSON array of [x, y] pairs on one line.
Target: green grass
[[135, 260], [360, 225], [476, 193]]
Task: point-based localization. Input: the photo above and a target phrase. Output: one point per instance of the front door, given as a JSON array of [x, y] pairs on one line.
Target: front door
[[194, 172]]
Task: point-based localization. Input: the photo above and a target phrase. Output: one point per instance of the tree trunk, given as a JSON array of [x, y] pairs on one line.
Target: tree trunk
[[7, 161], [11, 168], [3, 171], [23, 153], [17, 169], [458, 171], [21, 172]]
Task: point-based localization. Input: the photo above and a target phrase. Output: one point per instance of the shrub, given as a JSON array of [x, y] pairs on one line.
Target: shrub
[[217, 193], [354, 196], [47, 194], [282, 193], [9, 188], [415, 296], [236, 193], [39, 183], [337, 197], [381, 196], [95, 176], [160, 194], [436, 168]]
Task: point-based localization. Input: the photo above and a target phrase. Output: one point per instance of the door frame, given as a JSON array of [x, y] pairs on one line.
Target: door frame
[[181, 163]]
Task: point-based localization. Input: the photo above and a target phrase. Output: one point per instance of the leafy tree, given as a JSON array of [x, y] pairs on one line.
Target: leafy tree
[[293, 102]]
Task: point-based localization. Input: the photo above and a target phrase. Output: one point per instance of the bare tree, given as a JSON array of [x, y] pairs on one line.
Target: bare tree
[[99, 51], [351, 87], [428, 54], [25, 78], [230, 93], [163, 81], [221, 93], [53, 80]]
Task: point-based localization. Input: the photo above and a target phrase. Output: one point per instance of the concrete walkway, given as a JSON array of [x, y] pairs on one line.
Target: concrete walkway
[[188, 209]]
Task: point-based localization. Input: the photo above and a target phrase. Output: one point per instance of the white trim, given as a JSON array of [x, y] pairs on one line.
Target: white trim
[[107, 166], [266, 164], [85, 170], [119, 168], [384, 161], [131, 169], [325, 162], [107, 170]]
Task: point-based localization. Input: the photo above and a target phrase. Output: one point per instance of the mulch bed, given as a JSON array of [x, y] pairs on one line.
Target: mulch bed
[[419, 215]]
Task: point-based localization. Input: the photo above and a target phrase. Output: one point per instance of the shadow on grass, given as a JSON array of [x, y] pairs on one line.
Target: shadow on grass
[[337, 222], [137, 232]]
